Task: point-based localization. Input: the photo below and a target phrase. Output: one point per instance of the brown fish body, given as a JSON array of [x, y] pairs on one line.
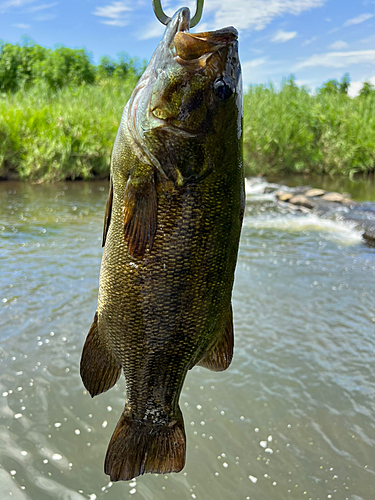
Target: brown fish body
[[172, 228]]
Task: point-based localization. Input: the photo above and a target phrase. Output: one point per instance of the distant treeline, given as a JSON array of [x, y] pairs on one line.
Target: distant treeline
[[22, 66], [59, 115]]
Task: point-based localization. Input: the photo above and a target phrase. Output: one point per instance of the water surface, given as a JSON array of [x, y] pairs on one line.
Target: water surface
[[293, 417], [361, 187]]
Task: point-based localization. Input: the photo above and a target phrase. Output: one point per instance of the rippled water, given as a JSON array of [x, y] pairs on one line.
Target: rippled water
[[293, 417]]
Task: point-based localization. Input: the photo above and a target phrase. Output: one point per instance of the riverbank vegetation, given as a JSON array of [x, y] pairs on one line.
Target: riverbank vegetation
[[290, 130], [59, 115], [68, 134]]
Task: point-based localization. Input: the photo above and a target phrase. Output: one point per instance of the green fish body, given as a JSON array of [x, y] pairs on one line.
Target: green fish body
[[171, 235]]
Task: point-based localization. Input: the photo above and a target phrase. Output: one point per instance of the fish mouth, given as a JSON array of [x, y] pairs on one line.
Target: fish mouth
[[187, 47], [192, 46]]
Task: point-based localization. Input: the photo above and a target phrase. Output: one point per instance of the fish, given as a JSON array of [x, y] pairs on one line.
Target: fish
[[171, 234]]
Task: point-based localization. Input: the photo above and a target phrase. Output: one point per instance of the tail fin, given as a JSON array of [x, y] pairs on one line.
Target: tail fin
[[138, 446]]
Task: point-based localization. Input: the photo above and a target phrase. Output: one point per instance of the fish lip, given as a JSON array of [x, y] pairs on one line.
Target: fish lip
[[179, 22], [226, 35], [214, 40], [183, 23], [188, 48]]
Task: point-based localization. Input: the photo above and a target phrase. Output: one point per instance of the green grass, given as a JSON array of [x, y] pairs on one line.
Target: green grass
[[50, 135], [292, 131], [69, 134]]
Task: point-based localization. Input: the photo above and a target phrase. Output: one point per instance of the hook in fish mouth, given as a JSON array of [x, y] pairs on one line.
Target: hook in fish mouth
[[164, 19], [187, 47], [190, 46]]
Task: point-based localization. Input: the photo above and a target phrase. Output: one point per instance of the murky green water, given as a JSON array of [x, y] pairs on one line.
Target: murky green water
[[293, 417]]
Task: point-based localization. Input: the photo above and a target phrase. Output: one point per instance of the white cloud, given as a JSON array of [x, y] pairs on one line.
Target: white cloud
[[117, 22], [339, 59], [370, 39], [202, 27], [43, 6], [302, 83], [355, 87], [21, 26], [261, 70], [115, 12], [284, 36], [255, 14], [338, 45], [253, 63], [310, 40], [153, 30], [11, 4], [244, 14], [254, 71], [358, 19]]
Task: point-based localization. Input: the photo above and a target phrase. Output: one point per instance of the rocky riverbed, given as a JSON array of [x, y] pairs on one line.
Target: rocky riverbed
[[327, 204]]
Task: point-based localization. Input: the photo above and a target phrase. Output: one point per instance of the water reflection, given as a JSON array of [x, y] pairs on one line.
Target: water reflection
[[292, 418]]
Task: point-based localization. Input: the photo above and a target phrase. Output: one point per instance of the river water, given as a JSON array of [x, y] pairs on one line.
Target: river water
[[292, 418]]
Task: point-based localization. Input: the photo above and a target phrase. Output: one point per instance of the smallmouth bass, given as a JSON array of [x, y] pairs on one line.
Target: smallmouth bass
[[171, 233]]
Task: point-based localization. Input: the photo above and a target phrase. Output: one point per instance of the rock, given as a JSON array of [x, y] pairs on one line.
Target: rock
[[314, 192], [283, 195], [369, 236], [335, 197], [301, 200], [300, 189], [270, 189]]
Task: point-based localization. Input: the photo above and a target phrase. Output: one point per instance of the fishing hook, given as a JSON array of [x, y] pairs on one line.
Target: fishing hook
[[164, 19]]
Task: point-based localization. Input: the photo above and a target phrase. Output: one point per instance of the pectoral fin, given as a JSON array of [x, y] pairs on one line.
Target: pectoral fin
[[140, 211], [219, 357], [108, 212], [99, 368]]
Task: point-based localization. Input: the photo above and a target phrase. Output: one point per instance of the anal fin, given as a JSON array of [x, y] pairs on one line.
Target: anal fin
[[219, 357], [99, 368]]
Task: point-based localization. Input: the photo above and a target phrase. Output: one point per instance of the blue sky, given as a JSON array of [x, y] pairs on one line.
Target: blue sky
[[316, 40]]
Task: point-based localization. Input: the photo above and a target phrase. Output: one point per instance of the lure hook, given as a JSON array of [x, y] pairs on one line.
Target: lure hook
[[164, 19]]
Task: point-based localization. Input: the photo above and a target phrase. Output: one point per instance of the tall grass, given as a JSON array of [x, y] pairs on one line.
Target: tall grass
[[49, 135], [292, 131], [68, 134]]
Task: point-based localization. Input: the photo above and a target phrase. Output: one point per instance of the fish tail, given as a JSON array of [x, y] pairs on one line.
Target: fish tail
[[138, 446]]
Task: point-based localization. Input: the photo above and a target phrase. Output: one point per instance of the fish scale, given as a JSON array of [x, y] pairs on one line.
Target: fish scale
[[172, 228]]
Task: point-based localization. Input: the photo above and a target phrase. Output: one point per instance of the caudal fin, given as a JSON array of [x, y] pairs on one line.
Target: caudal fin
[[138, 446]]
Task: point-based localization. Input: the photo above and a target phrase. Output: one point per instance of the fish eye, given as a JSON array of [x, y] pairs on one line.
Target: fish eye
[[223, 88]]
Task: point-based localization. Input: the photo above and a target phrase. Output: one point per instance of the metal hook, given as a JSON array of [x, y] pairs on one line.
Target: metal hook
[[164, 19]]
